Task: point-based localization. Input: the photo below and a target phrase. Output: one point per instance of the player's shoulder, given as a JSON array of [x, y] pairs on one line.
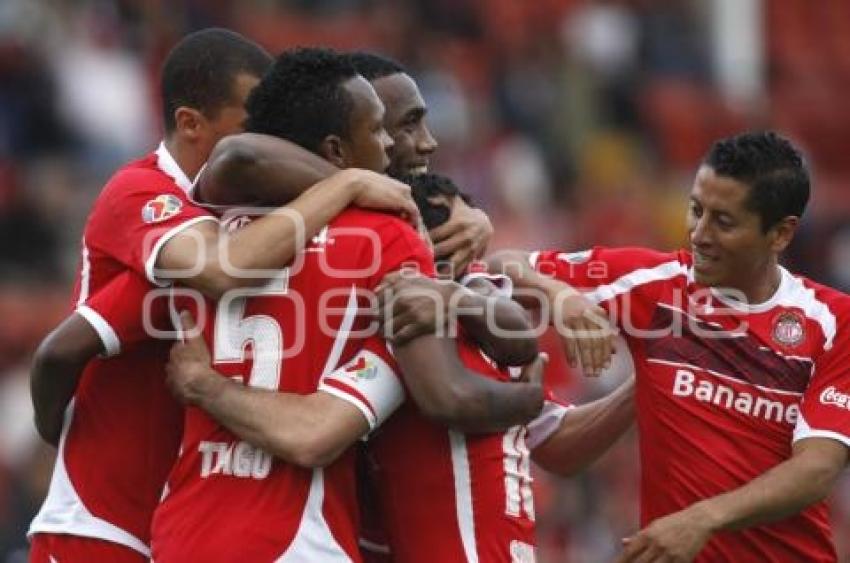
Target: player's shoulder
[[807, 289], [141, 175], [385, 225]]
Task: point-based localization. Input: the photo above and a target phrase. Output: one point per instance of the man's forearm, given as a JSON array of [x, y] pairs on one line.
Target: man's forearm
[[494, 406], [251, 168], [254, 415], [249, 256], [52, 385], [788, 488], [587, 431], [306, 430], [447, 392], [499, 326], [271, 241], [531, 288], [57, 367]]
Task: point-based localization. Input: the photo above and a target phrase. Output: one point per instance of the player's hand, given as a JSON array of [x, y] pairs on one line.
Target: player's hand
[[585, 331], [377, 191], [189, 373], [411, 305], [463, 238], [676, 538]]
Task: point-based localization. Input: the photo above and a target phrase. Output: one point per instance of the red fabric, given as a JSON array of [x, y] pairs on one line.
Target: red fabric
[[53, 548]]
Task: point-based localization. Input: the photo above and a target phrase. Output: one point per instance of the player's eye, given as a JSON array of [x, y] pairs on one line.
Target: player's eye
[[695, 209]]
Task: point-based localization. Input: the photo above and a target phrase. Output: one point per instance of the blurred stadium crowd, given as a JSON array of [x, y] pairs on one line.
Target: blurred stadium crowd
[[571, 122]]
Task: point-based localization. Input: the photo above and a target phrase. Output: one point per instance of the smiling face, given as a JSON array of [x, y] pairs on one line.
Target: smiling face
[[405, 123], [367, 142], [730, 248]]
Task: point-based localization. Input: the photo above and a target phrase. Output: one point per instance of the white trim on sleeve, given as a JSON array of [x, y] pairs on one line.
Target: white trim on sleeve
[[504, 284], [150, 263], [348, 398], [111, 342], [546, 423], [802, 431], [376, 382]]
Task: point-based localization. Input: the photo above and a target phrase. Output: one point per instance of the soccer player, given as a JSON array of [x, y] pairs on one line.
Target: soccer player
[[261, 169], [742, 367], [445, 495], [465, 235], [121, 432], [277, 510]]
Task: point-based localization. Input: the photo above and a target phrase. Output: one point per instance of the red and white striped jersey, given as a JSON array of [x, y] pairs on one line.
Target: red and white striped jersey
[[123, 427], [723, 389], [448, 496], [228, 500]]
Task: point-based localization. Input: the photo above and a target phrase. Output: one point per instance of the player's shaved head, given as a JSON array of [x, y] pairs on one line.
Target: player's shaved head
[[201, 71], [372, 66]]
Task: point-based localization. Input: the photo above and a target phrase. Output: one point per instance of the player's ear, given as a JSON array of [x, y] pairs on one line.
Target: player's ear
[[335, 151], [782, 233], [189, 122]]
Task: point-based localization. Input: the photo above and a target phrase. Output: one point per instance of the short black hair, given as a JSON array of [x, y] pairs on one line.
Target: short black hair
[[425, 186], [771, 166], [200, 71], [372, 66], [302, 98]]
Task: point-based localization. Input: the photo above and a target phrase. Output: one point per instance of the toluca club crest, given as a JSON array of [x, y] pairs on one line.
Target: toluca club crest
[[788, 329]]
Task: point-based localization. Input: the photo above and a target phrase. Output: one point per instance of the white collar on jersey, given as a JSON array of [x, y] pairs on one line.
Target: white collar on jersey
[[785, 282], [167, 164]]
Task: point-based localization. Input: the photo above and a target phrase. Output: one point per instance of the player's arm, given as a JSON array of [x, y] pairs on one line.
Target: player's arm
[[803, 479], [422, 305], [582, 326], [464, 237], [56, 370], [251, 168], [254, 168], [205, 258], [446, 392], [586, 432], [306, 430]]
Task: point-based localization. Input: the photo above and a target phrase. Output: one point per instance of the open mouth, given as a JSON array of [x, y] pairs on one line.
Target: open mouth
[[417, 169]]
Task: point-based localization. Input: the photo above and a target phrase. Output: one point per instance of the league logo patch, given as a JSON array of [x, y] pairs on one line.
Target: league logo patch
[[362, 369], [160, 208], [576, 257], [788, 329]]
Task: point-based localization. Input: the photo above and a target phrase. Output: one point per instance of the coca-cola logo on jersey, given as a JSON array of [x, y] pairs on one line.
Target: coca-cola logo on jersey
[[831, 396]]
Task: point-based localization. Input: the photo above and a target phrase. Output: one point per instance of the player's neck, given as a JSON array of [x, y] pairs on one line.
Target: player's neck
[[185, 155], [763, 286]]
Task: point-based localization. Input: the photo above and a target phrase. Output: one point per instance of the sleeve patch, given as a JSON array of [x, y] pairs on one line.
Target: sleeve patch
[[369, 383], [160, 208]]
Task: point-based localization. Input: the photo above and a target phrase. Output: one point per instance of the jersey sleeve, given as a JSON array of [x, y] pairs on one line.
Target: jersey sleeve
[[547, 422], [621, 279], [123, 311], [141, 211], [369, 381], [825, 407]]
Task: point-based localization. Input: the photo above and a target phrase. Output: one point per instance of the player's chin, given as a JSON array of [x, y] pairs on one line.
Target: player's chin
[[707, 276]]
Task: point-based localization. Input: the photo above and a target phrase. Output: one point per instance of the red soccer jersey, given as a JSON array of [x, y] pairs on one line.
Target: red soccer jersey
[[228, 500], [723, 389], [448, 496], [123, 427]]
